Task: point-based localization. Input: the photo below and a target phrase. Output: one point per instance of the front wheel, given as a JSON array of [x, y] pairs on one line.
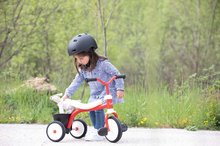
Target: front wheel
[[79, 129], [115, 130], [55, 131]]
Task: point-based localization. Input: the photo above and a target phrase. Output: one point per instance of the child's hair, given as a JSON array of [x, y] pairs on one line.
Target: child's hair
[[93, 58]]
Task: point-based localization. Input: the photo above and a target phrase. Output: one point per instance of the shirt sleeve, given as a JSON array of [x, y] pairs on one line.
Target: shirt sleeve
[[112, 70], [77, 81]]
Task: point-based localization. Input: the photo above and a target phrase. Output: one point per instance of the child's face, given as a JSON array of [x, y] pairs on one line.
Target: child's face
[[82, 59]]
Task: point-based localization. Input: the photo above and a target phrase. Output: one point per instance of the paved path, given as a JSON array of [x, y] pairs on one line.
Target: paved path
[[35, 135]]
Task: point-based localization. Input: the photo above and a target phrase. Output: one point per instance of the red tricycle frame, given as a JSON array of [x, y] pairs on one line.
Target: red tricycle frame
[[66, 123], [107, 105]]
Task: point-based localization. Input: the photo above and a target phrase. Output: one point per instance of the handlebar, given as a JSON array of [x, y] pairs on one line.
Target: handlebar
[[96, 79], [90, 79]]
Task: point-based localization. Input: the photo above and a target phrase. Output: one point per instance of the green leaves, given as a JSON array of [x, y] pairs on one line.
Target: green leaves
[[153, 42]]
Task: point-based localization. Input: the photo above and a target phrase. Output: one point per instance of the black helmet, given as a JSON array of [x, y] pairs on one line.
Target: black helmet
[[81, 43]]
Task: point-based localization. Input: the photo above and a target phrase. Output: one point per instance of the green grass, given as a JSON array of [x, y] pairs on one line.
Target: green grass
[[153, 108], [158, 108], [25, 106]]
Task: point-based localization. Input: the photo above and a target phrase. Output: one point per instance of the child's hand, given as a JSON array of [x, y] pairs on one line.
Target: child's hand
[[120, 94], [64, 97]]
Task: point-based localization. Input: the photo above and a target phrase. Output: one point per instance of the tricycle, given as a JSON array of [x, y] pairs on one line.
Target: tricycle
[[65, 122]]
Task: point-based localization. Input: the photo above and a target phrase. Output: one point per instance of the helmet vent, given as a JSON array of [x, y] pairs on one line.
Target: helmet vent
[[79, 35], [73, 50], [74, 40]]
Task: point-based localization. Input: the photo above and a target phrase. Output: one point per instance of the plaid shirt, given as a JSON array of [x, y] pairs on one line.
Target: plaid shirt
[[103, 70]]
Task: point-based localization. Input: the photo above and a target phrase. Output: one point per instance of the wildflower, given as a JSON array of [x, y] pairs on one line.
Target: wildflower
[[143, 121], [183, 122], [206, 122], [156, 123]]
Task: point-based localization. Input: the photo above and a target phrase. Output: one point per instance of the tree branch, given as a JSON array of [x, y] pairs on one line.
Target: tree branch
[[103, 27], [9, 58], [114, 6]]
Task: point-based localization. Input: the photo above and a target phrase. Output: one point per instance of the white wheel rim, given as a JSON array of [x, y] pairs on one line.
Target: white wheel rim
[[55, 131], [77, 129], [113, 132]]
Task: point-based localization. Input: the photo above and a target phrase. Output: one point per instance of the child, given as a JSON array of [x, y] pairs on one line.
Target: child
[[90, 65]]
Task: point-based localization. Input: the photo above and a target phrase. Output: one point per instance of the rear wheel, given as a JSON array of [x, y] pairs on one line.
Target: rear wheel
[[115, 130], [79, 129], [55, 131]]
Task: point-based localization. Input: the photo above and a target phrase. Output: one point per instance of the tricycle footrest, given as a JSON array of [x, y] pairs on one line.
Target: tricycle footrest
[[124, 127], [103, 131]]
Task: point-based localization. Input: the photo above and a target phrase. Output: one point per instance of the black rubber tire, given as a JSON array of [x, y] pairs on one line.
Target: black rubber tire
[[55, 129], [83, 128], [114, 124]]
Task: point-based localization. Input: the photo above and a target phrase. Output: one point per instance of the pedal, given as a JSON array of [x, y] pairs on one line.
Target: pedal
[[103, 131], [124, 127]]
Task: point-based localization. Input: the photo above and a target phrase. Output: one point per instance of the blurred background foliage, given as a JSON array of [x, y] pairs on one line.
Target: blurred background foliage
[[168, 49]]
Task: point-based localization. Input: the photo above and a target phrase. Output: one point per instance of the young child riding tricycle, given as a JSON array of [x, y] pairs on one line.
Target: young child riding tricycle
[[65, 123]]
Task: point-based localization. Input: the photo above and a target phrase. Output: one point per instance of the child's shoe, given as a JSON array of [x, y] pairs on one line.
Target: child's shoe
[[93, 136]]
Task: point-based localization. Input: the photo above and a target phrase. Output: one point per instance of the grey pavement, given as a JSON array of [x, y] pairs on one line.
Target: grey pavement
[[35, 135]]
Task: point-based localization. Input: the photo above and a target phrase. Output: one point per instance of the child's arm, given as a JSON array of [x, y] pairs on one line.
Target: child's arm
[[112, 70], [74, 86]]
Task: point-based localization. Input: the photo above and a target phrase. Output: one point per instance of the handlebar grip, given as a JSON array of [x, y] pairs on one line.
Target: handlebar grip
[[120, 76], [95, 79], [90, 79]]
